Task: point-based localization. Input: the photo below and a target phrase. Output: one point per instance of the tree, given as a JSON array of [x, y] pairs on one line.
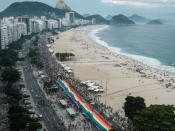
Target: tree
[[132, 105], [17, 45], [8, 57], [10, 75], [114, 129], [35, 61], [4, 61], [34, 53], [35, 42], [14, 94], [33, 126], [155, 118], [39, 64], [19, 118], [63, 56]]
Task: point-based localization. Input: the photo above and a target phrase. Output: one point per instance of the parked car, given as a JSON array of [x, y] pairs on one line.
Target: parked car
[[26, 96], [34, 116], [31, 111], [26, 102], [29, 106]]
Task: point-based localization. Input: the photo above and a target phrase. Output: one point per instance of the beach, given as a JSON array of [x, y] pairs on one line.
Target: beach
[[115, 73]]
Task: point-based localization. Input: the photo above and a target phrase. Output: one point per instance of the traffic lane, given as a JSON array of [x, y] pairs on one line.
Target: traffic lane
[[47, 110]]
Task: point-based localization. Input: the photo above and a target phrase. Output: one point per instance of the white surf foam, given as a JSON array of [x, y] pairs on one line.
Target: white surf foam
[[97, 39], [143, 59]]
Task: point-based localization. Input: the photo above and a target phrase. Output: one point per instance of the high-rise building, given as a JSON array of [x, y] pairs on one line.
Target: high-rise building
[[26, 20], [53, 24], [93, 21], [33, 26], [43, 18], [10, 33], [59, 23], [19, 30], [70, 16], [41, 25], [37, 25], [9, 23], [11, 29], [4, 37], [0, 34]]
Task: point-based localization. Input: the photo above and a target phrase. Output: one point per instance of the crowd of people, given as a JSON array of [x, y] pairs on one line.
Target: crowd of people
[[81, 123], [55, 71]]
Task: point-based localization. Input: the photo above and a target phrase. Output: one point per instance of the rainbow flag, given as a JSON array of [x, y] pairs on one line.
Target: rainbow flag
[[97, 119]]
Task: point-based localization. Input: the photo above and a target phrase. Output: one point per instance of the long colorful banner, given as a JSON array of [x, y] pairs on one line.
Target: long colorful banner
[[100, 122]]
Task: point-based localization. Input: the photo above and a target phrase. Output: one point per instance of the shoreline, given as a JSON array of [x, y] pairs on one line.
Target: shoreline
[[96, 63], [139, 58]]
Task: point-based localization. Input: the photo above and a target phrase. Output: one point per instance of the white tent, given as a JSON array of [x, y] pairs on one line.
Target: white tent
[[51, 51], [63, 102], [71, 112], [48, 45]]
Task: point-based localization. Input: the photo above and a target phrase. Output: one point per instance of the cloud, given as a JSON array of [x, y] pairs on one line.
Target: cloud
[[142, 3]]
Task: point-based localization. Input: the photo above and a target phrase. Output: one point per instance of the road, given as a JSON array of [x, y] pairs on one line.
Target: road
[[51, 120]]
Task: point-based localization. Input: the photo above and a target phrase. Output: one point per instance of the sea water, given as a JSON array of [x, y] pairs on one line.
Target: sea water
[[153, 45]]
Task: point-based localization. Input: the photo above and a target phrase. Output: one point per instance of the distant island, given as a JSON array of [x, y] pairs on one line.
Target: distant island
[[137, 18], [112, 20], [121, 20], [159, 22]]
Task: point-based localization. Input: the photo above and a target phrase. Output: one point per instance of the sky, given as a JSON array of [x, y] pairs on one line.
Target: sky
[[147, 8]]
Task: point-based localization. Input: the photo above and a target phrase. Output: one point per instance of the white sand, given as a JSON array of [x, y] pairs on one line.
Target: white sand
[[95, 62]]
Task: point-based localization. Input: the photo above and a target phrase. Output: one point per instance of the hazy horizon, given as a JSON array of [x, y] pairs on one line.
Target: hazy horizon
[[163, 9]]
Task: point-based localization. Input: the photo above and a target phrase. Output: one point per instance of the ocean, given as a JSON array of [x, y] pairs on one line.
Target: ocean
[[153, 45]]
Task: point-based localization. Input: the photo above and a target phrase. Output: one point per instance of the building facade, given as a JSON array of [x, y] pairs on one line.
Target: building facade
[[0, 35], [4, 37], [70, 17], [26, 20], [11, 29]]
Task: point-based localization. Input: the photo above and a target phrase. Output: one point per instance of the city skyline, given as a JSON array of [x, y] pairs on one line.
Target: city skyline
[[13, 28], [147, 8]]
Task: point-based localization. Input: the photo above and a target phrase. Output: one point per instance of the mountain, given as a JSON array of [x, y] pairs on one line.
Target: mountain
[[109, 17], [34, 9], [121, 20], [137, 18], [98, 19], [157, 21], [61, 5], [86, 15]]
